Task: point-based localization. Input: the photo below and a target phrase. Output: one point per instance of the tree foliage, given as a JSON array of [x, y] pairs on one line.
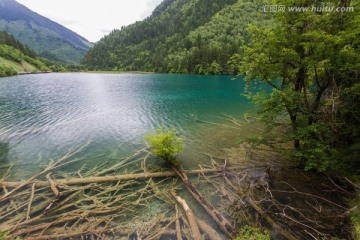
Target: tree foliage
[[165, 144], [311, 61], [181, 36]]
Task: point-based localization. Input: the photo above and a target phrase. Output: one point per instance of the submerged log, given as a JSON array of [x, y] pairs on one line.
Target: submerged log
[[209, 231], [177, 224], [190, 216], [87, 180], [218, 217], [30, 201]]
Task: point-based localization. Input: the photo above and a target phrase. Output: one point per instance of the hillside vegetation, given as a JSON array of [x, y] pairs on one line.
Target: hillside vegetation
[[16, 58], [181, 36]]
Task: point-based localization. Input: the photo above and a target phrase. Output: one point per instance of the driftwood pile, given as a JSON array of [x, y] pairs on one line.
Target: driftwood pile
[[99, 203], [108, 202]]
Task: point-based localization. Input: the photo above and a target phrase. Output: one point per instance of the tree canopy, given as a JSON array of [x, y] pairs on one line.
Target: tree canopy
[[311, 61], [181, 36]]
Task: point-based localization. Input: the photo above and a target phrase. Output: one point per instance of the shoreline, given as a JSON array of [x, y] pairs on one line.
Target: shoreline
[[28, 73]]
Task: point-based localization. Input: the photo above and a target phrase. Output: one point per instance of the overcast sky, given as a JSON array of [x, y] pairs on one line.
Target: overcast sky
[[92, 19]]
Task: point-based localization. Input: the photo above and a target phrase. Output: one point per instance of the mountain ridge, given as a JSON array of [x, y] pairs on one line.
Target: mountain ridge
[[44, 36]]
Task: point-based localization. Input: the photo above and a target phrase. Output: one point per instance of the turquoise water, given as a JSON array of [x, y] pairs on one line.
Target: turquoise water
[[44, 116]]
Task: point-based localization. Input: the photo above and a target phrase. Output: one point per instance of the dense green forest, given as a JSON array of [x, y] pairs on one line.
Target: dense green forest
[[16, 57], [181, 36]]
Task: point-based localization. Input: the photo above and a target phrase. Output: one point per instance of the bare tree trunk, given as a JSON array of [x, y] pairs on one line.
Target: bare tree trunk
[[87, 180]]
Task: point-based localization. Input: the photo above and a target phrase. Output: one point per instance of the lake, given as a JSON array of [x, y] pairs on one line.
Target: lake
[[44, 116]]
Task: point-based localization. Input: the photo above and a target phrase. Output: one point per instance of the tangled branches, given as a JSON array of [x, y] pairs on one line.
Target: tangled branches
[[108, 201]]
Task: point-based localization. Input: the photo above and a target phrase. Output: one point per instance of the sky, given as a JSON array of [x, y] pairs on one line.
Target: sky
[[93, 19]]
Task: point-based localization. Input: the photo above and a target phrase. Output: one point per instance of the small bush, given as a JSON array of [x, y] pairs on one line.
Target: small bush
[[251, 233], [165, 144]]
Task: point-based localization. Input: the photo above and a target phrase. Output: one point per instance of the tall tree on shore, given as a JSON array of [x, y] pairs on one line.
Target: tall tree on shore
[[311, 61]]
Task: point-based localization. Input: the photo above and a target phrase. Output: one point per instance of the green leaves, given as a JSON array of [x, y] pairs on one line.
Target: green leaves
[[165, 144], [252, 233], [317, 151], [311, 60]]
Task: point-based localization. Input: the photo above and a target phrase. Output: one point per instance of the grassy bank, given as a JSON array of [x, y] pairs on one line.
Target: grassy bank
[[18, 67]]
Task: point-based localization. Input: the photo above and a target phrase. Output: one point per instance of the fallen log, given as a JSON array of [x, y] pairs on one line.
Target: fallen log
[[177, 224], [53, 185], [209, 231], [218, 217], [57, 193], [88, 180], [30, 201], [190, 216]]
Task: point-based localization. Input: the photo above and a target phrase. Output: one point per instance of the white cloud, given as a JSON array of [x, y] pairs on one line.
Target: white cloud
[[91, 18], [151, 4]]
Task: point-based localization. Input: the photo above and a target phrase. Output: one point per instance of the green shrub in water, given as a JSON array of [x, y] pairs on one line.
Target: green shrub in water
[[251, 233], [5, 236], [165, 144]]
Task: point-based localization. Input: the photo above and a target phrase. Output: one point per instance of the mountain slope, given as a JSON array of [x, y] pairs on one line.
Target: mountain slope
[[13, 61], [44, 36], [16, 58], [182, 36]]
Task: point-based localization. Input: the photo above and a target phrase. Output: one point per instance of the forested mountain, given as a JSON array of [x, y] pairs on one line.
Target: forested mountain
[[181, 36], [45, 37]]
